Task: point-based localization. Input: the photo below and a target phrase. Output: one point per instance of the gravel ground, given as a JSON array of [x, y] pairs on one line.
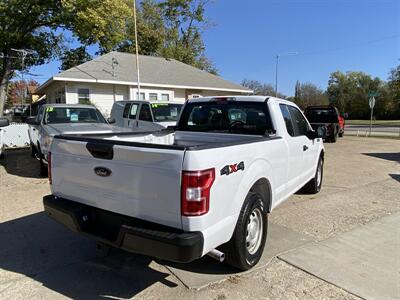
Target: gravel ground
[[361, 184]]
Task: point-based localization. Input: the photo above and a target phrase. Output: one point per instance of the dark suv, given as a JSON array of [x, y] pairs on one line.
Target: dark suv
[[327, 116]]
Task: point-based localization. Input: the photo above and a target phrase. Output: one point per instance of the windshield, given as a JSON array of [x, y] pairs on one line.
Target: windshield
[[166, 112], [56, 115], [315, 115], [226, 117]]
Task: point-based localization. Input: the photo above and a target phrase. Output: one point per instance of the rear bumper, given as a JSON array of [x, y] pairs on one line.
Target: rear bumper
[[125, 232]]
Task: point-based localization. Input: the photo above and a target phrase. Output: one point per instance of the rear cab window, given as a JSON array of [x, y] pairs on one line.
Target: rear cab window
[[238, 117]]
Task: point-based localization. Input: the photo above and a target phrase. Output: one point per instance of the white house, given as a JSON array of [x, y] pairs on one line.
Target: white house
[[112, 77]]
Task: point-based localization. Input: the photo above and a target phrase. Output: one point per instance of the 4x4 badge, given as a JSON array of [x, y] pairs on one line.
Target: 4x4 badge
[[229, 169]]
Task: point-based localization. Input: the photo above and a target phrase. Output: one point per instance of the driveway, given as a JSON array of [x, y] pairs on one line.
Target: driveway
[[41, 259]]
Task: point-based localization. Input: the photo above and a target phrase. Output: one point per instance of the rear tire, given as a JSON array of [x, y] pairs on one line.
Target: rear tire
[[314, 185], [246, 246], [33, 151], [43, 170]]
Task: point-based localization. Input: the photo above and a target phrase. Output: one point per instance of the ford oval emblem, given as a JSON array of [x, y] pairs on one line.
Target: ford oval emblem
[[102, 171]]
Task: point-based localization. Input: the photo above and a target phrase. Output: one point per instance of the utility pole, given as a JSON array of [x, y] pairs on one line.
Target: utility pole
[[276, 76], [24, 53], [276, 68], [137, 50]]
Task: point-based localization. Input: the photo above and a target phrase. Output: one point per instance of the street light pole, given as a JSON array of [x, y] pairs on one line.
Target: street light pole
[[276, 76], [137, 50], [276, 68]]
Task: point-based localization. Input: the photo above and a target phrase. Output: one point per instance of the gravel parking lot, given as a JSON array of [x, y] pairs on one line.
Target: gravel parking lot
[[42, 259]]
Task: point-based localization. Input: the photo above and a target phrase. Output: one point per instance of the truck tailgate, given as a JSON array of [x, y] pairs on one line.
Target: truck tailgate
[[139, 182]]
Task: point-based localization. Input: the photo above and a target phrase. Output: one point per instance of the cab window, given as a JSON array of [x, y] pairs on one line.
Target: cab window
[[145, 113], [133, 111], [126, 110], [287, 118], [300, 123]]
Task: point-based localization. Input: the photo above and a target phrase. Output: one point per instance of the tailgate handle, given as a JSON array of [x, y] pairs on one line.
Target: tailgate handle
[[99, 150]]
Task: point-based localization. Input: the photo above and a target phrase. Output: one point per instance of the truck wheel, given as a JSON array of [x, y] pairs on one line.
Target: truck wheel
[[33, 151], [314, 185], [246, 246], [334, 138], [42, 166], [102, 250]]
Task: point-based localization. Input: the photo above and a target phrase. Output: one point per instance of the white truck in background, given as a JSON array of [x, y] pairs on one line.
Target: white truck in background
[[205, 187], [3, 123]]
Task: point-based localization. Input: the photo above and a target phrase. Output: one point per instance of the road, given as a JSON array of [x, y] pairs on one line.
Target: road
[[375, 128]]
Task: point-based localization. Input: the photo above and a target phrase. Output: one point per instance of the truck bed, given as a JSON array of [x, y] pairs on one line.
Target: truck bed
[[167, 139]]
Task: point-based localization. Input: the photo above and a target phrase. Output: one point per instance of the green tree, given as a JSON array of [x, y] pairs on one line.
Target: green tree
[[349, 92], [259, 88], [172, 29], [74, 57], [394, 90], [307, 94], [40, 26]]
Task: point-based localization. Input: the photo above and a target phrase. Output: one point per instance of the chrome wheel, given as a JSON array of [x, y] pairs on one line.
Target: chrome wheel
[[254, 231], [319, 174]]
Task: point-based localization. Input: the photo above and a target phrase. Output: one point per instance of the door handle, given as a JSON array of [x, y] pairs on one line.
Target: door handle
[[305, 148]]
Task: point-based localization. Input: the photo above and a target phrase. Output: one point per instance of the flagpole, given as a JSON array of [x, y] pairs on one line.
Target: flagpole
[[137, 50]]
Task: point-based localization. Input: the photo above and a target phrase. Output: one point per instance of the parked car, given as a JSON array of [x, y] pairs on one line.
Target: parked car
[[149, 115], [3, 122], [328, 117], [54, 119], [179, 194]]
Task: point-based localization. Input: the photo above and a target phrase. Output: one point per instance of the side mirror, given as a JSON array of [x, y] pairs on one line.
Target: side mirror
[[4, 122], [32, 121], [111, 121], [314, 134]]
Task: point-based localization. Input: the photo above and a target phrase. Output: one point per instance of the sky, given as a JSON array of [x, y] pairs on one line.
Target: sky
[[244, 37]]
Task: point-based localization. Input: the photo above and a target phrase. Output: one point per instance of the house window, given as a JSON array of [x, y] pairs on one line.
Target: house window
[[165, 97], [83, 96], [141, 96], [153, 96]]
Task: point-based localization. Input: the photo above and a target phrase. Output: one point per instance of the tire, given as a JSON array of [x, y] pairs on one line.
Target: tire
[[314, 185], [341, 134], [241, 251], [33, 151], [334, 137], [43, 170]]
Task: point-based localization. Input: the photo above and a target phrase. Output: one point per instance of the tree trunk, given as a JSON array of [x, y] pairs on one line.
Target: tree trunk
[[3, 94], [5, 72]]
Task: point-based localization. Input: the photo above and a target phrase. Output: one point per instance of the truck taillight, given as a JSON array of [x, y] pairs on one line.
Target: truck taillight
[[49, 166], [196, 185]]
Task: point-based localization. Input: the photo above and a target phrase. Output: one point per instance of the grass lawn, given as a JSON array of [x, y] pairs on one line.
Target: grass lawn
[[377, 122]]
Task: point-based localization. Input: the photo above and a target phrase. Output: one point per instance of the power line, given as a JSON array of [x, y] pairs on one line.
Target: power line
[[351, 46]]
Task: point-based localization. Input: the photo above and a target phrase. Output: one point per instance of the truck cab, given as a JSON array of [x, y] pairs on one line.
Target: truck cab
[[146, 115]]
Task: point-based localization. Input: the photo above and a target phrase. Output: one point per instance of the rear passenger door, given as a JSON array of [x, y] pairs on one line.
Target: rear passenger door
[[295, 143], [309, 147]]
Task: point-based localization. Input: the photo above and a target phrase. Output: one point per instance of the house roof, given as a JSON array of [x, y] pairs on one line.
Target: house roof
[[154, 71]]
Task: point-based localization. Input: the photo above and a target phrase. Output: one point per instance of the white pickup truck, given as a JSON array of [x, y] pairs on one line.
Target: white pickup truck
[[180, 194]]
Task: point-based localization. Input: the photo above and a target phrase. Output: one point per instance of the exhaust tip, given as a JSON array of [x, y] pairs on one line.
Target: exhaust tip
[[217, 255]]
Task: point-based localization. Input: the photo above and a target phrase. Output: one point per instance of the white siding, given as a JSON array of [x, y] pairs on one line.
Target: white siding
[[133, 91], [101, 95], [180, 95]]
